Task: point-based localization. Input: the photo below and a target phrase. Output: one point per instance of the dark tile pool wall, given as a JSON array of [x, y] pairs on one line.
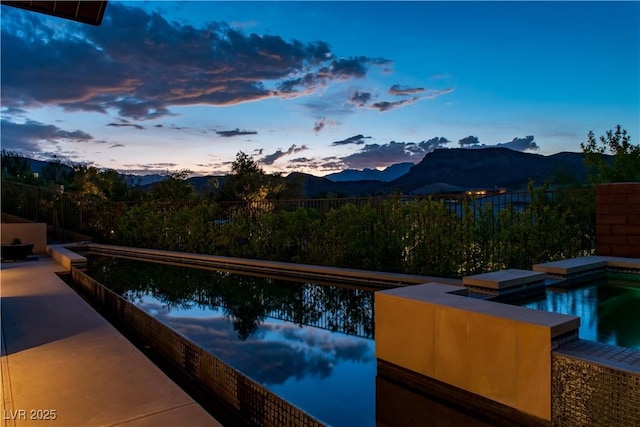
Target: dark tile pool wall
[[254, 403], [586, 393], [590, 393]]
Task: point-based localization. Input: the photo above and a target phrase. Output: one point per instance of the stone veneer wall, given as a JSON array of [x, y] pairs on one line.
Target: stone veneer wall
[[618, 219]]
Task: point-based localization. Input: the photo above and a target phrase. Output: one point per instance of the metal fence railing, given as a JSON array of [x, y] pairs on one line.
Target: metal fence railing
[[444, 235], [83, 213], [59, 210]]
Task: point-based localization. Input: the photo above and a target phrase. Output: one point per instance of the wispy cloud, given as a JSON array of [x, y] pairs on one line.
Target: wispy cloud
[[126, 123], [301, 160], [269, 159], [235, 132], [337, 70], [401, 91], [173, 127], [357, 139], [386, 105], [435, 93], [363, 98]]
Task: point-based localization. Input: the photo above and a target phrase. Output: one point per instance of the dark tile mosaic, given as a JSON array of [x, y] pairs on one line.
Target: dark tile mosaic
[[595, 385]]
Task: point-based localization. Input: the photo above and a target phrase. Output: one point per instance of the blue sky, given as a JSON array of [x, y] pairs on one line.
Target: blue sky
[[315, 87]]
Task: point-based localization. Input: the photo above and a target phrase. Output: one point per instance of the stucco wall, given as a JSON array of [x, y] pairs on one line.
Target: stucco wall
[[497, 351], [27, 232]]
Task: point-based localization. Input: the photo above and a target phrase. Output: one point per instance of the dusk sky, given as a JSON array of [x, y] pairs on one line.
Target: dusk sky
[[315, 87]]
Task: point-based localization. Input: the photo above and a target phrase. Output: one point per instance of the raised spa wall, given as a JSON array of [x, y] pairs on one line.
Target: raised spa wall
[[496, 351]]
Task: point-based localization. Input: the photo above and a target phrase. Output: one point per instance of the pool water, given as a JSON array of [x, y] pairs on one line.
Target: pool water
[[609, 310], [310, 344]]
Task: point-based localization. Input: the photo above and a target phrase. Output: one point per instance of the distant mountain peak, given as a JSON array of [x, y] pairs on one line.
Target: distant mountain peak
[[388, 174]]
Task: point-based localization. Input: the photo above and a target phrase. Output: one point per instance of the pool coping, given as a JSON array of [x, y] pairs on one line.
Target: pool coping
[[574, 266], [450, 297], [607, 355], [373, 278], [503, 279]]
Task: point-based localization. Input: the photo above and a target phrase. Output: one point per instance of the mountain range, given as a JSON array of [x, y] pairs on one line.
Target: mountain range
[[454, 170], [441, 171], [492, 167]]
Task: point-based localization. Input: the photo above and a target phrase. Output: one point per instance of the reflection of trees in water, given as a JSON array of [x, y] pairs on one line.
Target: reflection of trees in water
[[247, 300], [576, 302], [609, 311]]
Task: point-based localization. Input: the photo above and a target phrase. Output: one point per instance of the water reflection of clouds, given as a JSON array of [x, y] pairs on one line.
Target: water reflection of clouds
[[342, 347], [276, 352]]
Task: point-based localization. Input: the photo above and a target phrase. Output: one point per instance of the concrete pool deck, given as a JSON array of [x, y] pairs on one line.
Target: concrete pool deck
[[61, 360]]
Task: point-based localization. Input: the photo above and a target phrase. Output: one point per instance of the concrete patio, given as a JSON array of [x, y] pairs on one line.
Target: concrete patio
[[63, 364]]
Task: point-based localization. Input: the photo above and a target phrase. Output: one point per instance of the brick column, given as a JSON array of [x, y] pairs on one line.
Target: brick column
[[618, 219]]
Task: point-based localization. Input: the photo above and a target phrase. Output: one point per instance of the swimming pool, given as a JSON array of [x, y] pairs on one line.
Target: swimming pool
[[173, 291], [311, 344]]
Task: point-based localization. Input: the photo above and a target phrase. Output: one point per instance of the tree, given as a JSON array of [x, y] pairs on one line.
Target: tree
[[106, 184], [16, 167], [84, 181], [244, 165], [115, 187], [247, 181], [174, 188], [624, 166], [55, 172]]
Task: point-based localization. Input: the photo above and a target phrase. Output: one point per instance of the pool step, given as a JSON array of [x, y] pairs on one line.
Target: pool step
[[578, 270], [506, 284]]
